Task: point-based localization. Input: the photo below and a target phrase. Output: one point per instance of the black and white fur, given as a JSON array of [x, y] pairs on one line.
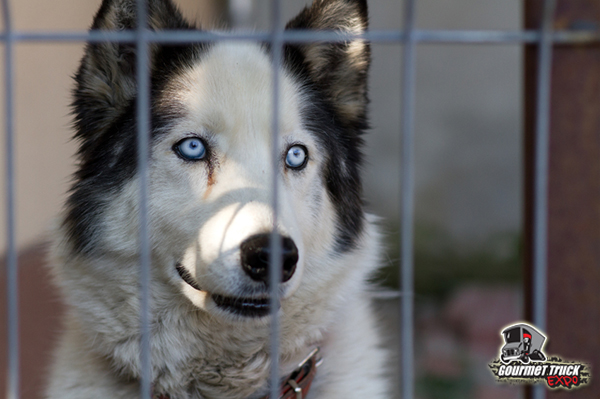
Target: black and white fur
[[202, 211]]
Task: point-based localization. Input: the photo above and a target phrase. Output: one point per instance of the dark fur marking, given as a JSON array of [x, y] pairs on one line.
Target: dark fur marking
[[335, 85], [211, 178], [104, 109]]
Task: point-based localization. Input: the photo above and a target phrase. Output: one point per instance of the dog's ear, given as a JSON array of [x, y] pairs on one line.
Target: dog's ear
[[106, 79], [339, 70]]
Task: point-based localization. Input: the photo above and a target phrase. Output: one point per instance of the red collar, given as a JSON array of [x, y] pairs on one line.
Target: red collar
[[297, 384]]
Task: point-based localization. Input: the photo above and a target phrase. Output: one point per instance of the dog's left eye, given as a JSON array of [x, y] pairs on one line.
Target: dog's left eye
[[296, 157], [192, 149]]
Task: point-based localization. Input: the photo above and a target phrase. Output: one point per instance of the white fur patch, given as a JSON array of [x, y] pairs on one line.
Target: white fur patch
[[227, 98]]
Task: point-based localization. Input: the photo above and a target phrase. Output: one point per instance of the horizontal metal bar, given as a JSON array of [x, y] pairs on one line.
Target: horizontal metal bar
[[375, 36], [504, 37]]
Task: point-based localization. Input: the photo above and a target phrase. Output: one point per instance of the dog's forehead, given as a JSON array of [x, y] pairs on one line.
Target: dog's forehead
[[230, 90]]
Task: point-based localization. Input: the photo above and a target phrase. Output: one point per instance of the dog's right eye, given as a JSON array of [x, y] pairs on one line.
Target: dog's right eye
[[190, 149]]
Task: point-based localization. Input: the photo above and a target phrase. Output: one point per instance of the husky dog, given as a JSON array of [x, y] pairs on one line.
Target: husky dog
[[210, 210]]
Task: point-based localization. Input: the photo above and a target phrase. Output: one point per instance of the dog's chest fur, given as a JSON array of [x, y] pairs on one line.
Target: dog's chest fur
[[239, 369]]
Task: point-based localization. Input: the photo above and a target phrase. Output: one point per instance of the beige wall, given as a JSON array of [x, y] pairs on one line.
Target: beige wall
[[44, 152], [468, 114]]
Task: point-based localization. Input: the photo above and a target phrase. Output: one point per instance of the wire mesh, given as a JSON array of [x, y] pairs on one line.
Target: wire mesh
[[12, 276], [407, 205], [541, 174], [421, 36], [143, 132], [275, 261], [410, 37]]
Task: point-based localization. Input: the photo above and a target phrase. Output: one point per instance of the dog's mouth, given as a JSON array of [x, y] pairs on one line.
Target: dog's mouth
[[247, 307]]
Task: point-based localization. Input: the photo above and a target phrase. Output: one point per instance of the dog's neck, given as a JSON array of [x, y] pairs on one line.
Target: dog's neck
[[295, 385], [198, 365]]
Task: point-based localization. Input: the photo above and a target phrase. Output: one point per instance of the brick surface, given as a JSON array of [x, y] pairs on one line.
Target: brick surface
[[39, 312]]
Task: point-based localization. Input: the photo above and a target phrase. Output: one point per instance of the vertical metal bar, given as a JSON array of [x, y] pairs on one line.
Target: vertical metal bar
[[540, 253], [143, 131], [407, 211], [12, 273], [275, 259]]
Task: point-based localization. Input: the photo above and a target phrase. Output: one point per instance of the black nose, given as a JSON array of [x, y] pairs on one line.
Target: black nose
[[256, 254]]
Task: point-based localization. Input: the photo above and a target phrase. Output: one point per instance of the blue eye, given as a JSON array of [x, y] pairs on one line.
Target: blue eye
[[192, 149], [296, 157]]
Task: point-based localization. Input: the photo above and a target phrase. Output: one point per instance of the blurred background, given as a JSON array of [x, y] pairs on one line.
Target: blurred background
[[469, 175]]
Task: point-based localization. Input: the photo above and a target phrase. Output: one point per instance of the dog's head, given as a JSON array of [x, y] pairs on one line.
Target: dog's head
[[210, 170]]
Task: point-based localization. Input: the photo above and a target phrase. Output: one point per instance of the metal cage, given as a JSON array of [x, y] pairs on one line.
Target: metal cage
[[409, 38]]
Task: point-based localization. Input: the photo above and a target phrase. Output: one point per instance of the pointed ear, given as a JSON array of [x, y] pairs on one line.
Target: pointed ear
[[339, 70], [106, 79]]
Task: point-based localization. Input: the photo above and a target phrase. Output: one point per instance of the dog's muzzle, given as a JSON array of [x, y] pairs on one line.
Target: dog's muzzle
[[256, 257]]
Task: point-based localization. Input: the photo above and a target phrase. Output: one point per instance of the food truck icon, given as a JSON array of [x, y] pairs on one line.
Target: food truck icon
[[522, 342]]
